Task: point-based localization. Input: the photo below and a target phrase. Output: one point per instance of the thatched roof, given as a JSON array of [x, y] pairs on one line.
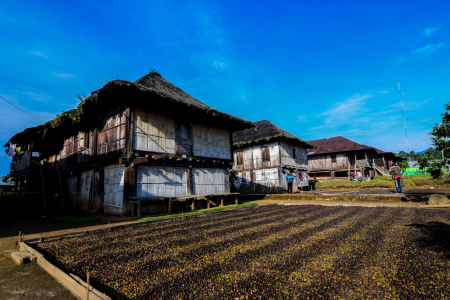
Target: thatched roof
[[154, 82], [150, 91], [264, 131], [335, 145]]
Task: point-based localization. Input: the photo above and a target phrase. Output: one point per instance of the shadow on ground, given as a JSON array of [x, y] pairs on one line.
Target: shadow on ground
[[435, 235]]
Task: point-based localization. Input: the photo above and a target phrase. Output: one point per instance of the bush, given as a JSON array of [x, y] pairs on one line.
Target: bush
[[446, 178]]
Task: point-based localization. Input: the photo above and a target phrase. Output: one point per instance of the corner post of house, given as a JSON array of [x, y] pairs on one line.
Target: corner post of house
[[355, 162], [170, 206], [221, 200], [129, 189], [189, 181], [129, 131], [139, 207], [166, 205], [193, 204], [348, 166], [208, 205], [236, 199], [332, 175]]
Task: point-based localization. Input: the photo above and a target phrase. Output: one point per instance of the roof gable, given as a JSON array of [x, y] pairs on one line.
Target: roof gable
[[334, 145], [155, 82], [264, 130]]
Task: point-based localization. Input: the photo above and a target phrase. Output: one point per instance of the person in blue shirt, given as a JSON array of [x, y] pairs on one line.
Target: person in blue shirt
[[290, 180]]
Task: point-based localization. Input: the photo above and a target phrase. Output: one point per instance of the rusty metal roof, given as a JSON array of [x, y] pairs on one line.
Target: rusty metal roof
[[335, 145]]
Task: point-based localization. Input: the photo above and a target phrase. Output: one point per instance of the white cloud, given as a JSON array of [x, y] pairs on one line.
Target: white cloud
[[351, 112], [62, 75], [431, 31], [219, 65], [383, 92], [38, 53], [428, 49], [37, 97], [301, 119]]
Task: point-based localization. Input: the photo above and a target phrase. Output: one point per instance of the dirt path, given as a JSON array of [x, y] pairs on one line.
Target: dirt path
[[29, 281]]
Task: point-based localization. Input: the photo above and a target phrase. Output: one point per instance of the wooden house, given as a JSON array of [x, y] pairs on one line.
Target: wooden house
[[338, 157], [263, 154], [144, 140]]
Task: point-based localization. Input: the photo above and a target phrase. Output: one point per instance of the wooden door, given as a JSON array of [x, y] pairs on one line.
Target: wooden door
[[113, 188]]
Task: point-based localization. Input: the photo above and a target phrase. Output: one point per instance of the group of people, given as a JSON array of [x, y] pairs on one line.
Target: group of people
[[395, 172]]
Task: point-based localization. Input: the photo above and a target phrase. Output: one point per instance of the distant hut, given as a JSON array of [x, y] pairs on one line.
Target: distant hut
[[145, 139], [263, 154], [337, 158]]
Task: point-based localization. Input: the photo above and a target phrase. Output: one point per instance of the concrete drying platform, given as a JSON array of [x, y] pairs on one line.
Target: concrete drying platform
[[73, 283], [23, 257]]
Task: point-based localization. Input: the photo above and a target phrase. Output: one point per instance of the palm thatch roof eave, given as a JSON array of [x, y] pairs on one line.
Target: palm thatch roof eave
[[264, 130]]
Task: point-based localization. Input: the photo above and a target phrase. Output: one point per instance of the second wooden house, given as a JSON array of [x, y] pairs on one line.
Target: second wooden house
[[263, 154], [338, 158]]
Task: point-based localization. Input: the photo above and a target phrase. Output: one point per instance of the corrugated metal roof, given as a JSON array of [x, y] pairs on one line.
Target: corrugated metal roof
[[334, 145]]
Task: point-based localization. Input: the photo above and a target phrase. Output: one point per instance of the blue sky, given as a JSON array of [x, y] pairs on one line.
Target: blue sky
[[314, 68]]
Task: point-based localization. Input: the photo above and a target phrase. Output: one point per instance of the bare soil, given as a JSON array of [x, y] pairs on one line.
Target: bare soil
[[29, 281]]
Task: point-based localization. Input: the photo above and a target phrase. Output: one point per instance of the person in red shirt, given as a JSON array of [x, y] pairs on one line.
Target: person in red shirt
[[397, 175]]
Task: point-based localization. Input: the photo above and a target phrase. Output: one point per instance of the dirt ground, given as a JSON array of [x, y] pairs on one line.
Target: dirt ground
[[29, 281]]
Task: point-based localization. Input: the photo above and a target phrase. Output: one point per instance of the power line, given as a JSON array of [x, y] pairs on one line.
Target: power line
[[381, 129], [402, 141], [22, 110]]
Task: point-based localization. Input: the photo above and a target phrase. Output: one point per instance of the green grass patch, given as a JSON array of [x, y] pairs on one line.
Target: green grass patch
[[335, 185], [377, 184], [196, 212], [75, 220], [408, 181]]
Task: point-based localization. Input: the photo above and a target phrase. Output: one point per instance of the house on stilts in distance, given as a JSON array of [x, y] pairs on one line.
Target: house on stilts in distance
[[337, 158], [127, 143], [263, 154]]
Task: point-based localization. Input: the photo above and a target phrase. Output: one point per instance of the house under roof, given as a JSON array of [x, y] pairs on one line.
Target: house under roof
[[264, 130], [335, 145], [151, 90]]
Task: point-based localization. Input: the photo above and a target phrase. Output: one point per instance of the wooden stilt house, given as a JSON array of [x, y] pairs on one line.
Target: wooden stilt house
[[337, 158], [263, 154], [127, 142]]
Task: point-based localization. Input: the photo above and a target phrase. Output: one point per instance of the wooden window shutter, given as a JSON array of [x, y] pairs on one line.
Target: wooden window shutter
[[239, 158], [265, 153]]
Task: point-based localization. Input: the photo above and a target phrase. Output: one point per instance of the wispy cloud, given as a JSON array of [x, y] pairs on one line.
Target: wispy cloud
[[37, 97], [428, 49], [38, 53], [383, 92], [431, 31], [62, 75], [300, 119], [219, 65], [349, 112]]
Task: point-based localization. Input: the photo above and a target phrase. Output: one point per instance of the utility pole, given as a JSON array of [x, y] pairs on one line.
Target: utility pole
[[404, 122]]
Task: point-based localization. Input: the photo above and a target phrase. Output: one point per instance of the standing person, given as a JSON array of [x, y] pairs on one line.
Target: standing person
[[396, 175], [290, 180]]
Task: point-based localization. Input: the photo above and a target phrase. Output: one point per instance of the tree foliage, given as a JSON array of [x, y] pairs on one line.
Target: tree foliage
[[441, 141]]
